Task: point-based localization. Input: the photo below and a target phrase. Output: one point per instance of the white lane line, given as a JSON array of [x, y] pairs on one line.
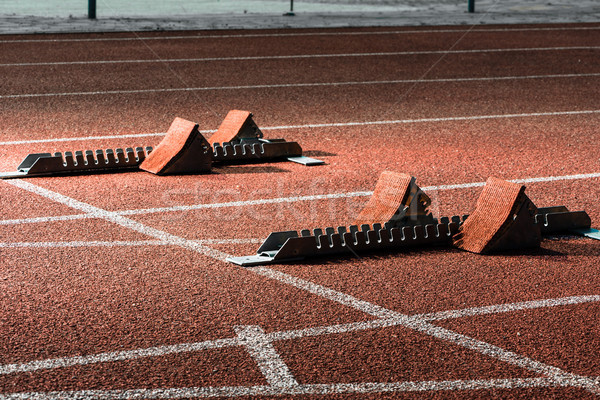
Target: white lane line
[[438, 119], [35, 220], [246, 203], [269, 362], [330, 294], [331, 196], [304, 389], [121, 243], [158, 351], [300, 34], [279, 200], [503, 308], [297, 85], [558, 375], [102, 137], [113, 356], [541, 179], [301, 56], [325, 125], [120, 220]]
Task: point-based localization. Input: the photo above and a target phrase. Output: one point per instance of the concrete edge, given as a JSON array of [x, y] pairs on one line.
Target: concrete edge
[[35, 25]]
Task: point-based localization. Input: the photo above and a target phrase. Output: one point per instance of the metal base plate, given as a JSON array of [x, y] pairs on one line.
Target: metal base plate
[[258, 259], [13, 175], [306, 160], [587, 232]]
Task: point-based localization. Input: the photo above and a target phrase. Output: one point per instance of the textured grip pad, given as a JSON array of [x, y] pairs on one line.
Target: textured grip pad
[[236, 125], [502, 220], [183, 150], [396, 200]]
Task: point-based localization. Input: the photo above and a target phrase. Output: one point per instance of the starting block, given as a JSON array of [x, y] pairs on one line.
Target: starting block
[[182, 151], [396, 216], [505, 218]]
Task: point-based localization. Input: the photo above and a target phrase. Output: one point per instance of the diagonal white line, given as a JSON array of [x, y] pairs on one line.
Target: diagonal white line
[[325, 125], [502, 308], [284, 335], [561, 377], [120, 220], [305, 389], [295, 85], [262, 351], [304, 56]]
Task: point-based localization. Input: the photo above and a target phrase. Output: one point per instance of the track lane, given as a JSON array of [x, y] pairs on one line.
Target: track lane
[[553, 148], [283, 45], [220, 75], [561, 337], [126, 113]]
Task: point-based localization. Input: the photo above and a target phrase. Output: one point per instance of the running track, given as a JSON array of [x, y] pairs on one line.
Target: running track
[[115, 286]]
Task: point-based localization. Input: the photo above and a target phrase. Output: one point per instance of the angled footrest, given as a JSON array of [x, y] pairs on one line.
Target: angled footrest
[[182, 151], [396, 200], [504, 219], [236, 126]]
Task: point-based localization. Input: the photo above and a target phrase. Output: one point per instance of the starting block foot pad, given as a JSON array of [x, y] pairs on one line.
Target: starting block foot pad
[[237, 125], [397, 200], [239, 140], [182, 151], [504, 219]]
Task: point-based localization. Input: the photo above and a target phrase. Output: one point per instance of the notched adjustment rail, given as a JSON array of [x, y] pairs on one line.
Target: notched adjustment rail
[[293, 246], [46, 164], [557, 220], [254, 149]]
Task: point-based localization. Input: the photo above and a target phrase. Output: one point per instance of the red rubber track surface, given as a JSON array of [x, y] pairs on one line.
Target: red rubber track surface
[[115, 285]]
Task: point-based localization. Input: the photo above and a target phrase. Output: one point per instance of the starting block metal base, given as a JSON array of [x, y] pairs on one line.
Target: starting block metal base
[[47, 164], [290, 246], [306, 160], [293, 246], [587, 232], [254, 149]]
